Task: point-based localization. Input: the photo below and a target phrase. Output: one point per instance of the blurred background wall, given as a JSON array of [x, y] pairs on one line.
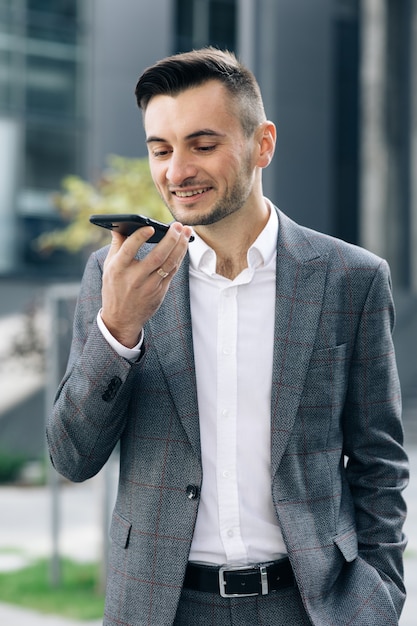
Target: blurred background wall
[[338, 78]]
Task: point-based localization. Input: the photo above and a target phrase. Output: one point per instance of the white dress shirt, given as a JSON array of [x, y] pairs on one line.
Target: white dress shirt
[[233, 331]]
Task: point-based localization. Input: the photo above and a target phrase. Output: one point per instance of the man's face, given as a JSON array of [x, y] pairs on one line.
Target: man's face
[[201, 163]]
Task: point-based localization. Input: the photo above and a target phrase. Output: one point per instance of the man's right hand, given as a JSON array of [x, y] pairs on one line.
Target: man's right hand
[[133, 290]]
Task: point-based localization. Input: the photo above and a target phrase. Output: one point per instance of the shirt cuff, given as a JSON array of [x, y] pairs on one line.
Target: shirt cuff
[[131, 354]]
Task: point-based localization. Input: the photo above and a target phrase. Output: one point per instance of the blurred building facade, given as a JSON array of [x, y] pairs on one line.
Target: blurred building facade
[[42, 119], [338, 78]]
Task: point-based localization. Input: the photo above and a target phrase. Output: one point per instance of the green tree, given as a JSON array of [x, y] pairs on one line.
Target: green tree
[[125, 186]]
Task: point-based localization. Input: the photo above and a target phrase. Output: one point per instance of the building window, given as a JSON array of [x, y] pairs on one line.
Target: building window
[[41, 90], [51, 153], [200, 23], [52, 20], [5, 80], [51, 86]]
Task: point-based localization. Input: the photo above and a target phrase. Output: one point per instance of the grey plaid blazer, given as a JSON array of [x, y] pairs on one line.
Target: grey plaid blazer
[[338, 465]]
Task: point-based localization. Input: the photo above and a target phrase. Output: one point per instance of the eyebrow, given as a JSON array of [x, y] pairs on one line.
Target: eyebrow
[[204, 132]]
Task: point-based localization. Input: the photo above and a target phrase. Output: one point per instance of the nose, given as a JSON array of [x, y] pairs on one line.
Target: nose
[[180, 168]]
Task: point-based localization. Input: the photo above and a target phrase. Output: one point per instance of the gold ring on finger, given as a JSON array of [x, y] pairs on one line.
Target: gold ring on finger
[[162, 273]]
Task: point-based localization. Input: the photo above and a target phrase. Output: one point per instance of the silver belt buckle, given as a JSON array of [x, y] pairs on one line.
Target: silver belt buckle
[[232, 568]]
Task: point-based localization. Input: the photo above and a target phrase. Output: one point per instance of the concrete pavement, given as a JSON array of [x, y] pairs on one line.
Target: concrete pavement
[[13, 616]]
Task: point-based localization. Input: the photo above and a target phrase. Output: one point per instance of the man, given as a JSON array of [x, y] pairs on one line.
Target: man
[[250, 378]]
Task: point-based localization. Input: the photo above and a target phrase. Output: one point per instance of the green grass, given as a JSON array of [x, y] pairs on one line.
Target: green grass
[[10, 466], [75, 598], [410, 553]]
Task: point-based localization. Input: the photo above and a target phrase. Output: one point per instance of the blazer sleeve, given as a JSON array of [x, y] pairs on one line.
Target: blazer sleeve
[[377, 465], [91, 405]]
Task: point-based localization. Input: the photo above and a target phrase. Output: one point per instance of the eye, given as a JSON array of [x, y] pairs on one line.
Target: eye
[[159, 153], [209, 148]]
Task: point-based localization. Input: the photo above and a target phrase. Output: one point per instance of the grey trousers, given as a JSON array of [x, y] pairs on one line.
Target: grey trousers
[[279, 608]]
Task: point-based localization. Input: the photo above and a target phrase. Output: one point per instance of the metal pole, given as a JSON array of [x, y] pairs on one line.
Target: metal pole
[[53, 479], [105, 522], [374, 148], [247, 32], [59, 334], [413, 144]]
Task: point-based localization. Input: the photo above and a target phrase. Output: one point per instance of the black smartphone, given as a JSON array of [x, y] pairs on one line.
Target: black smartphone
[[126, 224]]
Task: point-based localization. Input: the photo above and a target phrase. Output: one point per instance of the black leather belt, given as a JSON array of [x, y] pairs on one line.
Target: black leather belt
[[248, 580]]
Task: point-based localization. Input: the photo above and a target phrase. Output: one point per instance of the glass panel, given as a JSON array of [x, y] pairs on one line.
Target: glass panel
[[5, 8], [51, 154], [4, 79], [184, 25], [223, 24], [67, 8], [51, 85], [219, 31], [52, 20]]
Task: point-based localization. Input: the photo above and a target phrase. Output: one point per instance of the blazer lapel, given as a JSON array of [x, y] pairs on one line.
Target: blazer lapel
[[174, 346], [301, 274]]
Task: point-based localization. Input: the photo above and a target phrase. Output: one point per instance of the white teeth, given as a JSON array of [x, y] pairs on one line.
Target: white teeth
[[188, 194]]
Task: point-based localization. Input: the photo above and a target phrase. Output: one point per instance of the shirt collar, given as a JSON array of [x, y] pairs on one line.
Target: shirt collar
[[261, 252]]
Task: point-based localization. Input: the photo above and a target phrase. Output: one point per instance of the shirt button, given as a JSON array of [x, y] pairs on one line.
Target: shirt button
[[230, 533], [225, 413], [226, 474]]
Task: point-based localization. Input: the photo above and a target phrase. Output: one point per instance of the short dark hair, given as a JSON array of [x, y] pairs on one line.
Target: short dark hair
[[179, 72]]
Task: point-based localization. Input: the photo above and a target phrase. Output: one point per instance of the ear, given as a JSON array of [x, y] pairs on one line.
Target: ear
[[266, 136]]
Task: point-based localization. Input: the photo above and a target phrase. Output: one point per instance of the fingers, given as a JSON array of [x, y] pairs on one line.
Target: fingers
[[124, 247], [167, 254], [134, 289]]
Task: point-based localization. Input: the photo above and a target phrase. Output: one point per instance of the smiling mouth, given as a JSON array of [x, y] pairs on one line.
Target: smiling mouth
[[189, 193]]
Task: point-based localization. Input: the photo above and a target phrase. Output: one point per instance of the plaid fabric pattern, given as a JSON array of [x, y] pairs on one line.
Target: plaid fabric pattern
[[338, 466]]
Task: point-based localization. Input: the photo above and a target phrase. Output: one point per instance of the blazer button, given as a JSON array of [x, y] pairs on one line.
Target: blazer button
[[192, 492], [112, 389]]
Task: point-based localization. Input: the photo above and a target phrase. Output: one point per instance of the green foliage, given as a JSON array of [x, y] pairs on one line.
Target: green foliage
[[10, 466], [126, 186], [76, 598]]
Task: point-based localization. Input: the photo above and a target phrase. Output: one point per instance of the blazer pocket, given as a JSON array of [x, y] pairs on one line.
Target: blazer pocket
[[347, 542], [120, 531], [326, 358], [326, 376], [322, 401]]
